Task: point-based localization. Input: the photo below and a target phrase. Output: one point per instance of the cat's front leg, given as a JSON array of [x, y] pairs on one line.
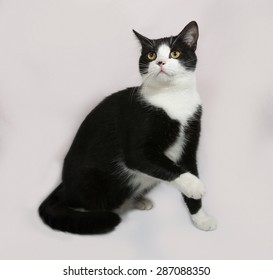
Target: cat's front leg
[[193, 189], [190, 185]]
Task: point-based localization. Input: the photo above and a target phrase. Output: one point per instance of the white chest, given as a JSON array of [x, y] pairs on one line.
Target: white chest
[[179, 105]]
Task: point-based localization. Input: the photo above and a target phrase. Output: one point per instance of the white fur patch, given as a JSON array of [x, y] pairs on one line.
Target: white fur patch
[[204, 222], [190, 185], [141, 181], [174, 152], [178, 102], [137, 180], [163, 53]]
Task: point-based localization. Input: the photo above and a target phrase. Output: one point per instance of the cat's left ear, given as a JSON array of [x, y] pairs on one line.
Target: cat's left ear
[[143, 40], [189, 35]]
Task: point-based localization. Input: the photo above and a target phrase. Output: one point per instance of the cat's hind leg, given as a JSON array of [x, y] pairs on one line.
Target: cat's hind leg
[[143, 203], [140, 203]]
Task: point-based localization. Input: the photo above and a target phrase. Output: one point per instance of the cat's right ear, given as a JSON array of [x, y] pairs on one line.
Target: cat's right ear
[[143, 40], [189, 35]]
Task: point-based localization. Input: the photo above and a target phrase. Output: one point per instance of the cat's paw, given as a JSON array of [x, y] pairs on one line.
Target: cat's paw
[[204, 222], [190, 185], [143, 204]]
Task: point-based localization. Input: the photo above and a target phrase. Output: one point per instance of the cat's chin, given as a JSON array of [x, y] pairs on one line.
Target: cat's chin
[[163, 79], [163, 75], [160, 81]]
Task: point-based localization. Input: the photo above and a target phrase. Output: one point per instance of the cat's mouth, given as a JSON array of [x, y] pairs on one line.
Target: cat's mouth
[[162, 72], [163, 77]]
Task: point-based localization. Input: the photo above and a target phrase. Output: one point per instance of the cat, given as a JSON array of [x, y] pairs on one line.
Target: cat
[[133, 140]]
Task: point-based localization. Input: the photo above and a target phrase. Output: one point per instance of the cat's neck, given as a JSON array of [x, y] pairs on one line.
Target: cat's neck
[[186, 82], [179, 99]]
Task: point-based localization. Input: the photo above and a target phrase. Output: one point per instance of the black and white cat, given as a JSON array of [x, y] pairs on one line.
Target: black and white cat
[[133, 140]]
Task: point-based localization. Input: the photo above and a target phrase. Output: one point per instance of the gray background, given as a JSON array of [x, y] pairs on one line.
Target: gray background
[[58, 59]]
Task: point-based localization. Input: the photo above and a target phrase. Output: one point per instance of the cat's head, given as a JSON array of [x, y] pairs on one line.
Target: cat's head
[[167, 59]]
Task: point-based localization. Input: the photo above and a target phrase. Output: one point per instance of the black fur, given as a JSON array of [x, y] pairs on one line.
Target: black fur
[[188, 158], [123, 128]]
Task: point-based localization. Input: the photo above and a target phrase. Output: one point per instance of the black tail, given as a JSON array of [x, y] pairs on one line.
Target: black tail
[[58, 216]]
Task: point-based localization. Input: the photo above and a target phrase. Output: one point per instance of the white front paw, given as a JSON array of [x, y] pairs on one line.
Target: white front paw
[[190, 185], [204, 222]]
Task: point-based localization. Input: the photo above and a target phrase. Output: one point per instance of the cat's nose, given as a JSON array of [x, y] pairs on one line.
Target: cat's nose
[[160, 62]]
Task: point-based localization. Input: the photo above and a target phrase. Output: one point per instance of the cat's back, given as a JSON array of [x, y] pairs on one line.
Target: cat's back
[[101, 128], [113, 104]]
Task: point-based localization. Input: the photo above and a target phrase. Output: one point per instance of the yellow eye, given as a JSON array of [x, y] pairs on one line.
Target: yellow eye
[[175, 54], [151, 56]]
